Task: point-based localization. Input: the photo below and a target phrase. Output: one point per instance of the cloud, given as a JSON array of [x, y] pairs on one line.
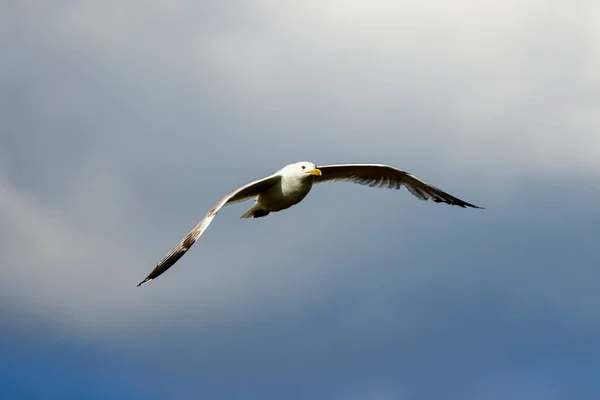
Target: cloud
[[470, 86], [125, 122]]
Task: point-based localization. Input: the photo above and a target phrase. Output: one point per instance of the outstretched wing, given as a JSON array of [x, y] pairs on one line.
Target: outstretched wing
[[377, 175], [246, 192]]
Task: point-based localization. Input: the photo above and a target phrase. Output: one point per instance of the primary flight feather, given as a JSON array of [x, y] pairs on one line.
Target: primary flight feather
[[291, 184]]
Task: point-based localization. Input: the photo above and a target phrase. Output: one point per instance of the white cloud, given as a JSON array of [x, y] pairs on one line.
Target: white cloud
[[501, 88], [515, 84]]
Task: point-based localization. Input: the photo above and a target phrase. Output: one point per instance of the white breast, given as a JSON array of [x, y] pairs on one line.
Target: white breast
[[290, 191]]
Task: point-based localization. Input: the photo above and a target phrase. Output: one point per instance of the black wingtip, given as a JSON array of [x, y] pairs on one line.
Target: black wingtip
[[467, 205], [144, 281], [464, 204], [474, 206]]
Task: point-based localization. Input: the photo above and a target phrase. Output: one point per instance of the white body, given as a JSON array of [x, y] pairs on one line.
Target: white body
[[290, 190]]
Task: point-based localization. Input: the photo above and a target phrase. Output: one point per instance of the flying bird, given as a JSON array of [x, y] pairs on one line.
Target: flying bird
[[291, 184]]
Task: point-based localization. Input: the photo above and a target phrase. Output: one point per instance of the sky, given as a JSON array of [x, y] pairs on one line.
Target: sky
[[121, 123]]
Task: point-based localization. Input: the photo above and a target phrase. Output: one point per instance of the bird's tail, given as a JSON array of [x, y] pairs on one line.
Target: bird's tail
[[255, 212]]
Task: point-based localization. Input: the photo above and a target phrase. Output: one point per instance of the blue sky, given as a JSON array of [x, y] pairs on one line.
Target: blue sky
[[123, 123]]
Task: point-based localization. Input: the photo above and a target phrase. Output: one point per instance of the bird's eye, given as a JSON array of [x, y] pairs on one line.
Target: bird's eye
[[304, 167]]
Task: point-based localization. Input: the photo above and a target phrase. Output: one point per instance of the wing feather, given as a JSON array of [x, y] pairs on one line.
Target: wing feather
[[379, 175], [245, 192]]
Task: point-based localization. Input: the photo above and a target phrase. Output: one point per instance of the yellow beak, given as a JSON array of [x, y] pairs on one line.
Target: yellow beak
[[316, 172]]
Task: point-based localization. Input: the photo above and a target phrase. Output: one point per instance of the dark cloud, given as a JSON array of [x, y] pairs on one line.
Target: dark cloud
[[123, 123]]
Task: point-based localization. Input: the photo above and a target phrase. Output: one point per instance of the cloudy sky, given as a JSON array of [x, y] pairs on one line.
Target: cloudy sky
[[121, 123]]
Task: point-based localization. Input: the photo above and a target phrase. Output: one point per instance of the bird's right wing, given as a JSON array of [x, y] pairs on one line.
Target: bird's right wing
[[246, 192]]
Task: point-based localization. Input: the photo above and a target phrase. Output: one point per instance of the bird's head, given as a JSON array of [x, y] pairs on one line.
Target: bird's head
[[302, 169]]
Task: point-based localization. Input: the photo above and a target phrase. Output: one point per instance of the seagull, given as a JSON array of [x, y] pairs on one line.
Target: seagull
[[291, 184]]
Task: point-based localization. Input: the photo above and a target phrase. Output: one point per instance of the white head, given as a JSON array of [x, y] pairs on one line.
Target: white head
[[302, 169]]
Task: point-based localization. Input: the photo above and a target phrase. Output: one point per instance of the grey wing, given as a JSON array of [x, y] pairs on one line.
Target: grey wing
[[378, 175], [246, 192]]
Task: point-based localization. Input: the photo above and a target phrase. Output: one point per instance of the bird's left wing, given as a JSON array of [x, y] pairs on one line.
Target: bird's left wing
[[378, 175], [246, 192]]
